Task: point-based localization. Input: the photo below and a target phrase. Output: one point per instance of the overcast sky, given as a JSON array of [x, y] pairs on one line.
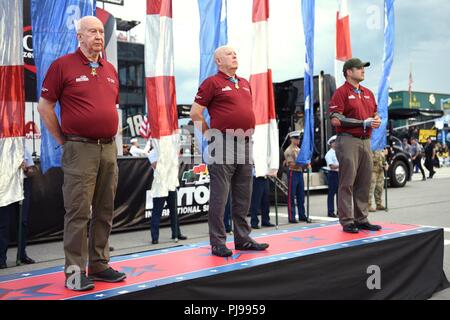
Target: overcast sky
[[422, 40]]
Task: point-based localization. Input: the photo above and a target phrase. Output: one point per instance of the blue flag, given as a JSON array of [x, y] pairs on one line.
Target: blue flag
[[213, 34], [54, 35], [306, 151], [379, 135]]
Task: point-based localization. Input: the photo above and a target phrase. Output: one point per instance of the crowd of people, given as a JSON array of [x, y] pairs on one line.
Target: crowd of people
[[433, 155]]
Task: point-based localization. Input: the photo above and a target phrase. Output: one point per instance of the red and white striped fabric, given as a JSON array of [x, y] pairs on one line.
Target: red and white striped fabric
[[343, 43], [161, 99], [145, 131], [12, 102], [265, 138]]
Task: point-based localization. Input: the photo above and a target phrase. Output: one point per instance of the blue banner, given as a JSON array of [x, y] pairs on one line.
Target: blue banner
[[213, 34], [54, 35], [306, 151], [379, 135]]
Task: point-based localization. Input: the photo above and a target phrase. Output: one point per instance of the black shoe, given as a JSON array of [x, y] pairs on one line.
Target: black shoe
[[221, 251], [332, 215], [268, 225], [256, 227], [108, 275], [307, 220], [154, 241], [181, 237], [368, 226], [254, 246], [228, 230], [3, 265], [79, 283], [27, 260], [293, 221], [350, 228]]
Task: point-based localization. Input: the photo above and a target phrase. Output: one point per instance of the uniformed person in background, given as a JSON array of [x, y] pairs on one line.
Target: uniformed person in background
[[377, 184], [333, 176], [296, 186]]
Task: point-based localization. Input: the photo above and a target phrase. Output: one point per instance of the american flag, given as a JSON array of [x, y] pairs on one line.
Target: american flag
[[145, 130]]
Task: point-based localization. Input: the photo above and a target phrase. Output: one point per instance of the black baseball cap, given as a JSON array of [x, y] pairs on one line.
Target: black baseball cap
[[354, 63]]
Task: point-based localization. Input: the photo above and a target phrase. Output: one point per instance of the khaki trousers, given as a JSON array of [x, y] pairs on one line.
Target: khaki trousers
[[355, 175], [377, 187], [90, 179]]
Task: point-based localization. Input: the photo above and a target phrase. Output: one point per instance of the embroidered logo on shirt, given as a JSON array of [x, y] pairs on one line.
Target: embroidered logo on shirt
[[44, 90], [227, 88], [352, 97], [367, 97], [198, 97], [82, 79], [110, 80]]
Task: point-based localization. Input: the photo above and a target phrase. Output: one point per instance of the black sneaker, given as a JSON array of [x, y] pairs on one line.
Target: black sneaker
[[3, 265], [221, 251], [27, 260], [253, 246], [108, 275], [78, 282], [181, 237], [368, 226], [268, 224], [350, 228]]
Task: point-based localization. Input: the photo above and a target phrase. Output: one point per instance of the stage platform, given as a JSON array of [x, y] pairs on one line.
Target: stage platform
[[303, 262]]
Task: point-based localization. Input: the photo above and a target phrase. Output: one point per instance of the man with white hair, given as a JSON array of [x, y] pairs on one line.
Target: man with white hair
[[228, 99], [87, 88]]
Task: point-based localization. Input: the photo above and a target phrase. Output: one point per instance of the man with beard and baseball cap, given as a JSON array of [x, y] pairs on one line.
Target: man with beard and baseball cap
[[353, 111]]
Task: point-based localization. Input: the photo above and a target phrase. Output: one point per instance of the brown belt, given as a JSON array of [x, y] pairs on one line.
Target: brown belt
[[89, 140], [354, 136]]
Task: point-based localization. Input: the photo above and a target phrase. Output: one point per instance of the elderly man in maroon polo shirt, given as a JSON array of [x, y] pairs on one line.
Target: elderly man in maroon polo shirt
[[87, 88], [228, 99], [353, 111]]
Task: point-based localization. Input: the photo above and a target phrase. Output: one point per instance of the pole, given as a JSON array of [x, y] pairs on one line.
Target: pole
[[230, 218], [19, 235], [385, 191], [175, 216], [322, 120], [307, 197], [276, 205], [34, 129]]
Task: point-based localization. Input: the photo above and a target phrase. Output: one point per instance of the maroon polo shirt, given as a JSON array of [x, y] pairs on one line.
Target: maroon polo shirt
[[351, 104], [228, 106], [88, 102]]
